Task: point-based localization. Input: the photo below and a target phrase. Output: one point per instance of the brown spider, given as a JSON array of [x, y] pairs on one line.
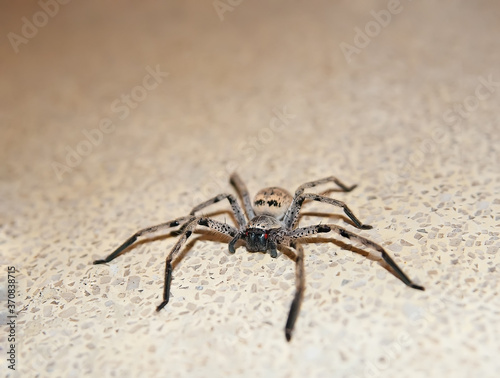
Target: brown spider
[[272, 223]]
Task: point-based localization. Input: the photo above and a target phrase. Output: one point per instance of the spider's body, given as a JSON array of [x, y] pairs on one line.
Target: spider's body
[[271, 224]]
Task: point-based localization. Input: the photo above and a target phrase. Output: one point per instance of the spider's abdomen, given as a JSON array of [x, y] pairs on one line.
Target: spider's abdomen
[[272, 201]]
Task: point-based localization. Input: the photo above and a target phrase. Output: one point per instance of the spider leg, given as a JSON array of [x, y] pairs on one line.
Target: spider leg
[[311, 230], [240, 218], [243, 193], [232, 243], [238, 212], [133, 238], [188, 229], [312, 184], [292, 215], [299, 291]]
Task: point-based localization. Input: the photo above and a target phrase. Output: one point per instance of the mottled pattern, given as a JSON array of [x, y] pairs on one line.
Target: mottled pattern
[[265, 222], [272, 201]]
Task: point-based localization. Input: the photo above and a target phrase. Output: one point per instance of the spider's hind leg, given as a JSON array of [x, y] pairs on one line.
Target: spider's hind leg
[[343, 187], [292, 215], [235, 207], [242, 190]]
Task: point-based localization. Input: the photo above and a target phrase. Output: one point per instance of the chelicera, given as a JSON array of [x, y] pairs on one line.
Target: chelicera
[[268, 224]]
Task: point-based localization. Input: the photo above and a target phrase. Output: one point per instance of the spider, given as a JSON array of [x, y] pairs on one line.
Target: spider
[[272, 224]]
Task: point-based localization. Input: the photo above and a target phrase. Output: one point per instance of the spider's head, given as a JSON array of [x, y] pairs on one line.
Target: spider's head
[[256, 240], [261, 235]]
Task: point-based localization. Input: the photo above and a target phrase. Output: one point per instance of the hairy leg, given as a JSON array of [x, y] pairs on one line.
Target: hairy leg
[[235, 206], [173, 223], [243, 193], [292, 215], [323, 228], [326, 180], [299, 290], [187, 232]]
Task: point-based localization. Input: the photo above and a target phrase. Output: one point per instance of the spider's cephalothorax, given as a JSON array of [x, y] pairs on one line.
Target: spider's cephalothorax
[[260, 235], [271, 224]]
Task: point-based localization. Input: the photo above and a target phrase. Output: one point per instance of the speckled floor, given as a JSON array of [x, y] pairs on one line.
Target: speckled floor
[[115, 117]]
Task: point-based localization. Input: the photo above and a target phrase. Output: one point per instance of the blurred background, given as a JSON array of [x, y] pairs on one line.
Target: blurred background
[[119, 115]]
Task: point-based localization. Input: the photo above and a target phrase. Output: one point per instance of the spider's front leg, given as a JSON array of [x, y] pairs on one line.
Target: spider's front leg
[[299, 291], [170, 224], [182, 221], [188, 229], [323, 228]]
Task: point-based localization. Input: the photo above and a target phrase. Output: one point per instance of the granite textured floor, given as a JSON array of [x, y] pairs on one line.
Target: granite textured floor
[[120, 115]]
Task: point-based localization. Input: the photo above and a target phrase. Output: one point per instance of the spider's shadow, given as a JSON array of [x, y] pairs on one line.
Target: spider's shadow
[[328, 216], [351, 248], [201, 235], [333, 190], [176, 232]]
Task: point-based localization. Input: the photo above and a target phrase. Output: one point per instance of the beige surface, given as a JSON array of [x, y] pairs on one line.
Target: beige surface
[[387, 120]]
